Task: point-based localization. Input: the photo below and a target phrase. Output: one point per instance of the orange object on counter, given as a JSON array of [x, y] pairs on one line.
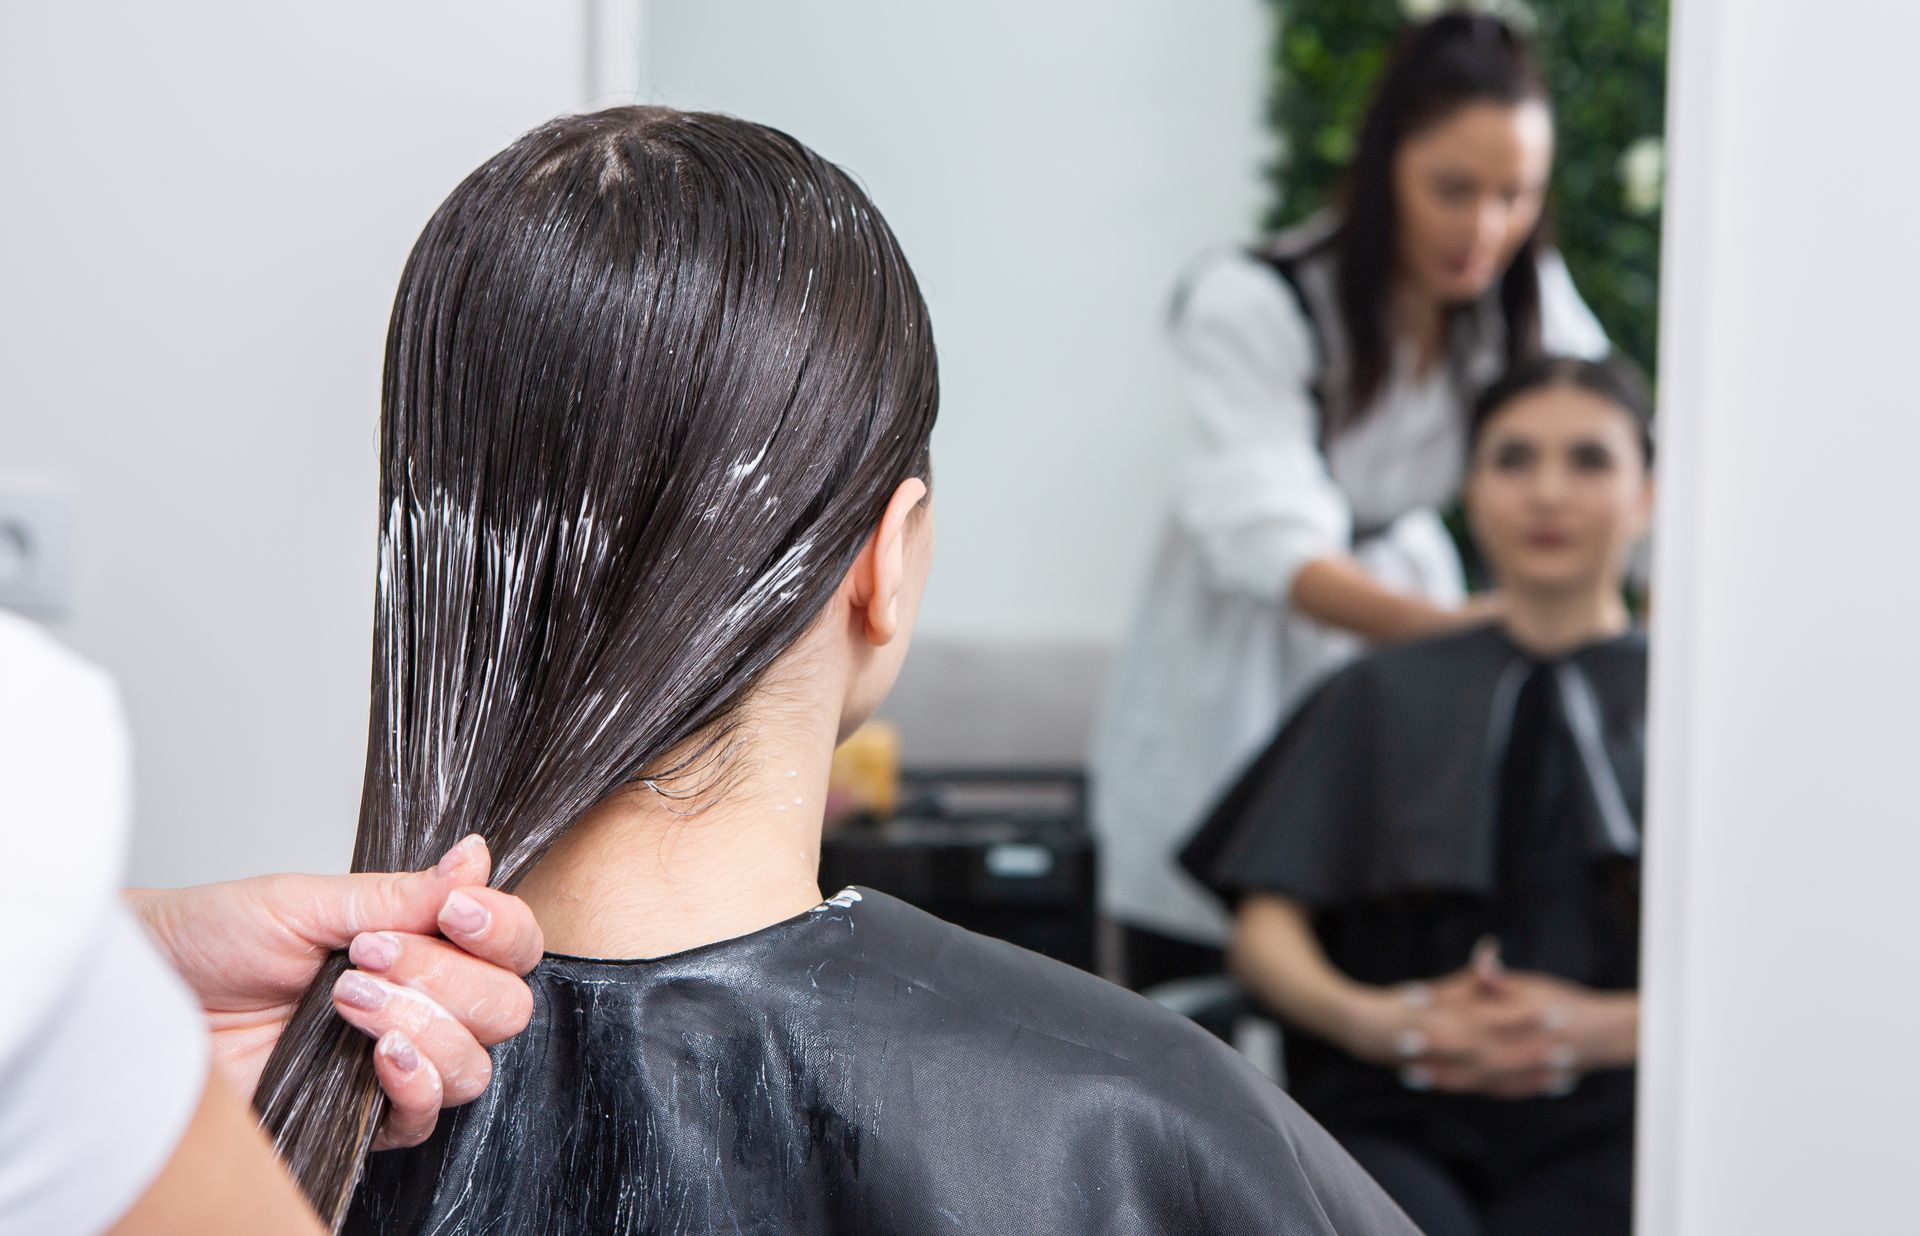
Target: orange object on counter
[[865, 780]]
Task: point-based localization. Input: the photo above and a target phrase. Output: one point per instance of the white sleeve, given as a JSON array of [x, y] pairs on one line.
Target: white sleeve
[[95, 1099], [1567, 326], [1255, 496], [102, 1052]]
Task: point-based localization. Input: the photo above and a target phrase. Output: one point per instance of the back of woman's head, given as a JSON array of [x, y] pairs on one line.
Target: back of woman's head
[[1437, 68], [651, 379]]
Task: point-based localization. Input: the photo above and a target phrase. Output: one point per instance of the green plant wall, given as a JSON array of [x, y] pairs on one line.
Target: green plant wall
[[1605, 61]]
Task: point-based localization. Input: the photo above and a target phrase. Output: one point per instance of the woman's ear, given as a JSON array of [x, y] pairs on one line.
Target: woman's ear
[[879, 574]]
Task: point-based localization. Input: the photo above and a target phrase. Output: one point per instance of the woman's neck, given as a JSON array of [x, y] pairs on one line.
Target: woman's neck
[[1551, 622], [645, 875]]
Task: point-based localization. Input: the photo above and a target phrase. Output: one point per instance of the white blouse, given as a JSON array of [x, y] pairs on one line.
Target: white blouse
[[1217, 655], [103, 1053]]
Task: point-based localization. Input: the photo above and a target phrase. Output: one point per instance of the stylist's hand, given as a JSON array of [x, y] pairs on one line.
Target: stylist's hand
[[438, 954]]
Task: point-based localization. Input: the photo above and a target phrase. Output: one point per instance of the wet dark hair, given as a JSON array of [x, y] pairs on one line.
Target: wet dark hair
[[651, 379], [1437, 67], [1615, 379]]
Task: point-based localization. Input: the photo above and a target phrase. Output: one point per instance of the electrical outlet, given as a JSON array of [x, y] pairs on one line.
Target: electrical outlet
[[36, 545]]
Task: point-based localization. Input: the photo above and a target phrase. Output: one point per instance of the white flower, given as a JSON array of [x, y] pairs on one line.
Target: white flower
[[1643, 175], [1421, 10]]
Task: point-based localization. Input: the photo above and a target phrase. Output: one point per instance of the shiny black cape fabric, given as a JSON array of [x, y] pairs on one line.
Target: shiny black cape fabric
[[1388, 803], [866, 1068], [1385, 780]]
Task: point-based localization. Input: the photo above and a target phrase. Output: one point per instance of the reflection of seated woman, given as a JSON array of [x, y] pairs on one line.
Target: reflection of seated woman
[[1330, 378], [1435, 863], [655, 431]]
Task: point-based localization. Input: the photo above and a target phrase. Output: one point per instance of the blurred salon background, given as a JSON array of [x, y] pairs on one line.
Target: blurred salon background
[[1170, 507]]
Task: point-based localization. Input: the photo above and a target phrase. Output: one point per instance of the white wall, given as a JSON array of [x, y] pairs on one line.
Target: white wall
[[205, 210], [1781, 1085], [206, 205], [1050, 169]]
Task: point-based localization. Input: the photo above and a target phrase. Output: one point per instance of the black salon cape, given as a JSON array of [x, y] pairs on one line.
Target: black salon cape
[[865, 1068], [1436, 792]]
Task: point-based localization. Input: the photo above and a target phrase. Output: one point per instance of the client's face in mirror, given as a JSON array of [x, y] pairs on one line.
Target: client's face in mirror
[[1559, 492]]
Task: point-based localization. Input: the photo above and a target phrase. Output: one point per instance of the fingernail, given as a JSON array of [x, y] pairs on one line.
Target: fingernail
[[1416, 1079], [397, 1048], [1563, 1057], [1562, 1086], [374, 950], [1411, 1043], [357, 991], [1417, 995], [464, 915], [1556, 1017], [451, 859]]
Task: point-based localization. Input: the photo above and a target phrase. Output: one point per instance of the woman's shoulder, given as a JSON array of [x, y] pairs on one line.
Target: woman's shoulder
[[1233, 284], [1066, 1019], [1480, 643], [1008, 980], [1227, 1147], [937, 1062], [1280, 287], [1308, 244], [1235, 308], [1151, 1073]]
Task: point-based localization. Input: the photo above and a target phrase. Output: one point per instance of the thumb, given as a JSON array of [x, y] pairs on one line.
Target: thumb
[[1486, 964], [468, 862], [335, 909]]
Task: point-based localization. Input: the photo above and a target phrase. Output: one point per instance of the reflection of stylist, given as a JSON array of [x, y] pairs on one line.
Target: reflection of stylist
[[1329, 375]]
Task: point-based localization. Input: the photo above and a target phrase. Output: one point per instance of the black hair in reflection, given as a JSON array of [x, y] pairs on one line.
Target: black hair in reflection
[[1615, 379], [651, 379], [1437, 67]]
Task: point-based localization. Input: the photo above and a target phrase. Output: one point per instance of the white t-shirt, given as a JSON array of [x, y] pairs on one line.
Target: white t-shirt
[[1217, 655], [103, 1053]]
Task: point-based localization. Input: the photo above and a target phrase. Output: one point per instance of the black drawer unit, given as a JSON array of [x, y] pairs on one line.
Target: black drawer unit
[[1003, 853]]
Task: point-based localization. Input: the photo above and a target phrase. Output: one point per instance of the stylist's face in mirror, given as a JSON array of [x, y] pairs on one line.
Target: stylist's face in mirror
[[1559, 492], [1469, 189]]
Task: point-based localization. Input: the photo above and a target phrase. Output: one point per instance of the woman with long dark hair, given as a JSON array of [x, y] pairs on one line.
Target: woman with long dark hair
[[655, 524], [1330, 372]]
